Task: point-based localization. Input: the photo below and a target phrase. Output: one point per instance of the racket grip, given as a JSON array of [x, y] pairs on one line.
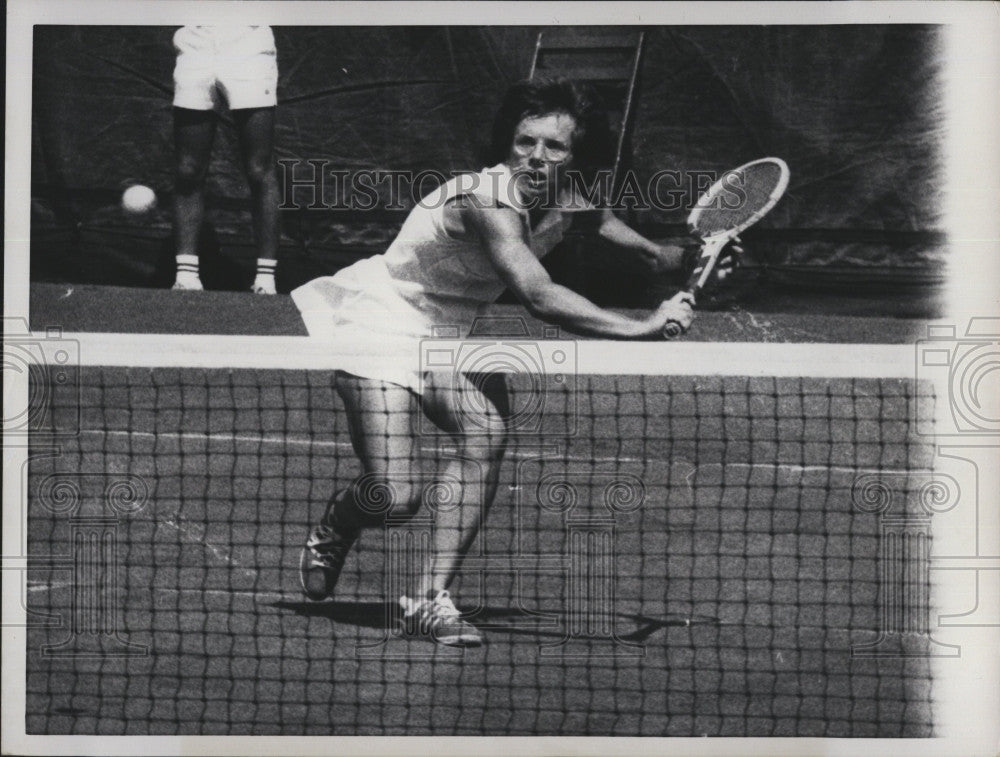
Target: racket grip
[[672, 330]]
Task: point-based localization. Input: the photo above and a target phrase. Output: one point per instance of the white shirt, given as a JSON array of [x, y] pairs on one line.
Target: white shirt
[[427, 278]]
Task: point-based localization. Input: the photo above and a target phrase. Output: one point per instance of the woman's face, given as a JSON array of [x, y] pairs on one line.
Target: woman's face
[[542, 145]]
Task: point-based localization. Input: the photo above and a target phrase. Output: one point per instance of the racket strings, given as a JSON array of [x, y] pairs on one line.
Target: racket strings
[[742, 195]]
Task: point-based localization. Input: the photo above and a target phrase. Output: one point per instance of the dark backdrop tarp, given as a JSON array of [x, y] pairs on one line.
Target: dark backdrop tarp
[[853, 109]]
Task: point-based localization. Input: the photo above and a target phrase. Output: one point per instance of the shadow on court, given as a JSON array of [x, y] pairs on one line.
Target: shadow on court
[[362, 614], [506, 621]]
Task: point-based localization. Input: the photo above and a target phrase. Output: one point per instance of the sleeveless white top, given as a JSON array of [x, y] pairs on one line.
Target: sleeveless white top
[[427, 278]]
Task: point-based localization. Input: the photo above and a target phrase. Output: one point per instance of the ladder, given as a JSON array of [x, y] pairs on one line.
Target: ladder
[[607, 58]]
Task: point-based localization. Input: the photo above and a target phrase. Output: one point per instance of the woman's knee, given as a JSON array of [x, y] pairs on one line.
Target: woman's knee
[[380, 495], [485, 436], [474, 414]]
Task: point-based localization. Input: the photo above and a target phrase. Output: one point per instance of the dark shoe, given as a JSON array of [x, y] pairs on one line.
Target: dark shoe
[[322, 560]]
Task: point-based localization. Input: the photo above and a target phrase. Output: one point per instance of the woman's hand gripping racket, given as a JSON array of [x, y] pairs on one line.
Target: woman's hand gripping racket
[[740, 198]]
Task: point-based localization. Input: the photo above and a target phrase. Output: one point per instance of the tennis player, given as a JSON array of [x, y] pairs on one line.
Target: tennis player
[[238, 63], [458, 250]]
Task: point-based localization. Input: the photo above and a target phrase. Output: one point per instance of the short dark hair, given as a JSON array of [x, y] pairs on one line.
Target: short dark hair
[[592, 142]]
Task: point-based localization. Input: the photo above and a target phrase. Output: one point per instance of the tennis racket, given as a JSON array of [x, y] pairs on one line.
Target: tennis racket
[[740, 198]]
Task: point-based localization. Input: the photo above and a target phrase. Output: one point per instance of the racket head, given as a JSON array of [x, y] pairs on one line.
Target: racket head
[[739, 198]]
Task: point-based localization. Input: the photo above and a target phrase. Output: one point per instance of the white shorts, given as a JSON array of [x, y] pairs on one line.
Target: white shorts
[[239, 63]]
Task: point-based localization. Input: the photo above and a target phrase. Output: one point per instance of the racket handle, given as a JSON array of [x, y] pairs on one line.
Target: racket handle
[[674, 328], [710, 249]]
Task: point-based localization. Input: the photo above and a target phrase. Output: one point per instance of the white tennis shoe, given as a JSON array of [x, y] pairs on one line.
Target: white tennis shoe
[[438, 618]]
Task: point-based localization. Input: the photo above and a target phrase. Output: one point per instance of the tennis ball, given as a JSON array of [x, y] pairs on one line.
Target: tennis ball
[[138, 199]]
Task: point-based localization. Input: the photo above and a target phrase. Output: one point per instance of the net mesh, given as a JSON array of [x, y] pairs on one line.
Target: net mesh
[[667, 555], [743, 193]]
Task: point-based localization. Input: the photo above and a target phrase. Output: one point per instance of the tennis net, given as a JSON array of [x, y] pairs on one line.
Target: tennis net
[[687, 539]]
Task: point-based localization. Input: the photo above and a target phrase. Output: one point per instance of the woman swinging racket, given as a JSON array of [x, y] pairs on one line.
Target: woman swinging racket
[[458, 250]]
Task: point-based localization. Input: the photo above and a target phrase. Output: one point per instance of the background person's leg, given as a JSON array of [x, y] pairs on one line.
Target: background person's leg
[[256, 133], [194, 131]]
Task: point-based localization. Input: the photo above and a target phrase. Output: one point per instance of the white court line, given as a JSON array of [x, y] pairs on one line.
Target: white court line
[[516, 455], [219, 552]]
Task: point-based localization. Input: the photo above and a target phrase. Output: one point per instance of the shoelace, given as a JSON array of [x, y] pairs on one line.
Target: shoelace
[[443, 605], [321, 534], [433, 612], [325, 542]]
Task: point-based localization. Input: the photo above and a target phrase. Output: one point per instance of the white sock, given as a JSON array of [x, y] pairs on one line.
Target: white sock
[[187, 272], [264, 283]]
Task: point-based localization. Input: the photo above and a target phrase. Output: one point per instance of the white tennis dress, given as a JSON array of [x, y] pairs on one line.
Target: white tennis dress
[[427, 278]]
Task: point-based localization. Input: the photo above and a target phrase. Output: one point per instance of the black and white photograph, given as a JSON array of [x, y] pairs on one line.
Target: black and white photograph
[[464, 370]]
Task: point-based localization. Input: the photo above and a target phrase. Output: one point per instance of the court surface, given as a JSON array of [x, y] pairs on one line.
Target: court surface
[[716, 512]]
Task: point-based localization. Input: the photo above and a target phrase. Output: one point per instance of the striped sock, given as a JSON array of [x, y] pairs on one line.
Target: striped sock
[[264, 283], [187, 272]]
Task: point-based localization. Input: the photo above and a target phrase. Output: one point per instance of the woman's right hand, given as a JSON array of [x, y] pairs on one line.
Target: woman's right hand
[[678, 308]]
